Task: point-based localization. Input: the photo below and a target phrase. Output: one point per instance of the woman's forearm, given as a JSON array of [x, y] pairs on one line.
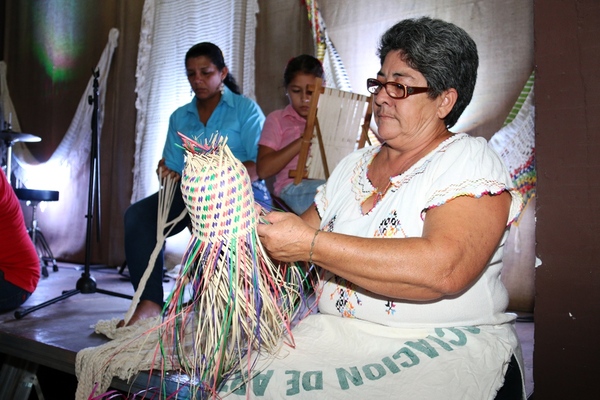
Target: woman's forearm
[[251, 167], [389, 267], [270, 162], [458, 239], [408, 269]]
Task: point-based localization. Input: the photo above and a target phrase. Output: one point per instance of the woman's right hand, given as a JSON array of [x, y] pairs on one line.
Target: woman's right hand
[[162, 171], [286, 236]]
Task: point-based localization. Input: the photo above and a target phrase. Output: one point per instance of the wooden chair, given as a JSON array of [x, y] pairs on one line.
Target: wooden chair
[[337, 124]]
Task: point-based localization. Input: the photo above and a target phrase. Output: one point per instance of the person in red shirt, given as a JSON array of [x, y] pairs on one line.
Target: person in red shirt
[[19, 261]]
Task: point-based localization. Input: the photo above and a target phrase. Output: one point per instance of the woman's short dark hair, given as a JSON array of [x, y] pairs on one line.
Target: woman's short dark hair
[[444, 53], [215, 54], [302, 64]]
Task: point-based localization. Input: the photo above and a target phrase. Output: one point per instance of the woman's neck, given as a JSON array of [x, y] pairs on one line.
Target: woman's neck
[[396, 161], [207, 106]]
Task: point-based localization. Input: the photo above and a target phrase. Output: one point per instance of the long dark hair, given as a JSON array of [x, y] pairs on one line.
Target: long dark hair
[[302, 64], [215, 54]]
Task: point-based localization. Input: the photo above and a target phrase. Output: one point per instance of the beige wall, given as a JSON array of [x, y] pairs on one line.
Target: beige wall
[[283, 32]]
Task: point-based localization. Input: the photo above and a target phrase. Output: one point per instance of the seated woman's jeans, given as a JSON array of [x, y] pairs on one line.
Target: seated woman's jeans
[[140, 237], [262, 195], [301, 196], [11, 296]]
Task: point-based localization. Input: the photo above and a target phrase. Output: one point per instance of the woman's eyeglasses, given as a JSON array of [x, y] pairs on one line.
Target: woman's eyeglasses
[[394, 89]]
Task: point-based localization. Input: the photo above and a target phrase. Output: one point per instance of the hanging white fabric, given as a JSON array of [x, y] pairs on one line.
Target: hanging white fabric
[[74, 148], [515, 142], [168, 30]]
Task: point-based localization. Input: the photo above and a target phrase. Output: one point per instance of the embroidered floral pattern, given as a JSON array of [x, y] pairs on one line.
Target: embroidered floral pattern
[[390, 307], [343, 302], [361, 185], [328, 227], [389, 227], [344, 295]]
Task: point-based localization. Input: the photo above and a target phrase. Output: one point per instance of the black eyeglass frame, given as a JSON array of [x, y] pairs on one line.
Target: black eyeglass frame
[[374, 86]]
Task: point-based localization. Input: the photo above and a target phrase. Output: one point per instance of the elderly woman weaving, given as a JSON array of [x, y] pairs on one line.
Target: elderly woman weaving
[[409, 236]]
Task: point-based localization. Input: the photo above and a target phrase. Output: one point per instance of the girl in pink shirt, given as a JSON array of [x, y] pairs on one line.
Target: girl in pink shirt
[[280, 139]]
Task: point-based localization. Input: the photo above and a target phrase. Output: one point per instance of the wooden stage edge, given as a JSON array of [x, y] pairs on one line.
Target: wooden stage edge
[[52, 336]]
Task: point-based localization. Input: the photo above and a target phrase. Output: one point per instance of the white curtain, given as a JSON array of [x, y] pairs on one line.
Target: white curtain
[[169, 29]]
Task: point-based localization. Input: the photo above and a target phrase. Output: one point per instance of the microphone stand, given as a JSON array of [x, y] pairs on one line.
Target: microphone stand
[[86, 283]]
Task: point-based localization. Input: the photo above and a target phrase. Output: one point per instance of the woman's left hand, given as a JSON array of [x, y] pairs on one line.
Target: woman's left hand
[[162, 171], [286, 236]]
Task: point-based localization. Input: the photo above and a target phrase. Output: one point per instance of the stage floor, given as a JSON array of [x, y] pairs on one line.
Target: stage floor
[[53, 335]]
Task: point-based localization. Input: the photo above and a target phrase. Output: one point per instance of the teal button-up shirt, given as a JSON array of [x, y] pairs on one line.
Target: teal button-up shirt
[[237, 117]]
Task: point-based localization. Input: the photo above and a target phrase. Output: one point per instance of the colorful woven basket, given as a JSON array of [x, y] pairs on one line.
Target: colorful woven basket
[[230, 299], [217, 191], [229, 302]]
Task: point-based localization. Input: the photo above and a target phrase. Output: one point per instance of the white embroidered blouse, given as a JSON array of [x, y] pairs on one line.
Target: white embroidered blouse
[[462, 165]]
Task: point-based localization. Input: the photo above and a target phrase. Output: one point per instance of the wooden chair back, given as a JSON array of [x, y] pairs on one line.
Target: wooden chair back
[[337, 124]]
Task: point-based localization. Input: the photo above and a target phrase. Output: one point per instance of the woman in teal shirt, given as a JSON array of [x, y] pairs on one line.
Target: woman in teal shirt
[[217, 107]]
